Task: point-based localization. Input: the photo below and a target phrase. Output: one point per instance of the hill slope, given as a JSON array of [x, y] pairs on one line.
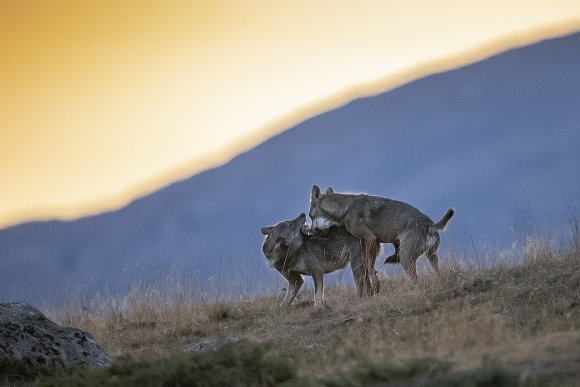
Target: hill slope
[[511, 325], [498, 140]]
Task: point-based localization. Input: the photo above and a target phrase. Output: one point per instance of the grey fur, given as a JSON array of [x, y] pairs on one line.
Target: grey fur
[[294, 253], [375, 219]]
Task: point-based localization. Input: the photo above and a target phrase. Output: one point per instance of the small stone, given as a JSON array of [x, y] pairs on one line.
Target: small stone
[[210, 344], [313, 346]]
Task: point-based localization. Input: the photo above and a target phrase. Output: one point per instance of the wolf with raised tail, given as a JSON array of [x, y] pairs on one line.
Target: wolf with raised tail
[[374, 220]]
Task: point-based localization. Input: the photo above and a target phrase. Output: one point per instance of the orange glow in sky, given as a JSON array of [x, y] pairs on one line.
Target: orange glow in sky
[[103, 101]]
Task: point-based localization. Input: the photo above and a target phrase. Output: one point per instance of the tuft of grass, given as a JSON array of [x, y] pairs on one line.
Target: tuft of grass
[[479, 377], [241, 364], [427, 372], [221, 312], [16, 372]]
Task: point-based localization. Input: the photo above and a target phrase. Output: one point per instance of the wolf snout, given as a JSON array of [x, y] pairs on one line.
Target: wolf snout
[[307, 230]]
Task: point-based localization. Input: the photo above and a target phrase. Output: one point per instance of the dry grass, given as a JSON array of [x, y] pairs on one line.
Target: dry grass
[[524, 317]]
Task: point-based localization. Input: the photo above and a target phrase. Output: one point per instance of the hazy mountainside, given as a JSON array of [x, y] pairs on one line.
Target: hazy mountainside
[[497, 140]]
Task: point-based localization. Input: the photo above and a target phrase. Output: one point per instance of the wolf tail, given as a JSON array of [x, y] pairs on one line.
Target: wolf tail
[[443, 222]]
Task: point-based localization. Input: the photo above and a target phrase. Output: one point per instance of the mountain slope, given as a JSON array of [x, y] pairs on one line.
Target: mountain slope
[[498, 140]]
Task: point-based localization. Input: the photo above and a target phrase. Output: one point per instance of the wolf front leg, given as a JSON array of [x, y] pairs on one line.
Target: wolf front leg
[[370, 248], [361, 279], [295, 282]]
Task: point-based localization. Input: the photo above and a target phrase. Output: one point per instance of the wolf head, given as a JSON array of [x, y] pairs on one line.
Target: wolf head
[[321, 219], [284, 236]]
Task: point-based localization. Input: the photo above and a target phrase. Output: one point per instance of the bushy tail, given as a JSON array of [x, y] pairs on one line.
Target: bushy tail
[[443, 222]]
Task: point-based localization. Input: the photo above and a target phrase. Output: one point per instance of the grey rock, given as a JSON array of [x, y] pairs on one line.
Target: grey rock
[[355, 319], [29, 341], [314, 346]]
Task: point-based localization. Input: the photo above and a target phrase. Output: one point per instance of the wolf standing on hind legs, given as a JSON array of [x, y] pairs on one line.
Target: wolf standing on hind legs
[[376, 219]]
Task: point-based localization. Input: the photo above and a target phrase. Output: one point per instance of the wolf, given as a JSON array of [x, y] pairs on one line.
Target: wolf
[[293, 251], [375, 219]]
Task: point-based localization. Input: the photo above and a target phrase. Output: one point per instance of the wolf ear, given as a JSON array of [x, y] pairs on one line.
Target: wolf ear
[[329, 190], [267, 230], [315, 192], [301, 219]]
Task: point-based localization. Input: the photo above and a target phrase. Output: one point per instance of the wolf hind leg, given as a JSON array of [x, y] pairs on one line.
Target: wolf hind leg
[[394, 258], [318, 278], [412, 246], [371, 250], [295, 282], [432, 246], [434, 260], [375, 284]]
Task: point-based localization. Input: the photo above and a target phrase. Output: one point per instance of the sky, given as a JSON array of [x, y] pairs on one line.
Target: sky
[[105, 101]]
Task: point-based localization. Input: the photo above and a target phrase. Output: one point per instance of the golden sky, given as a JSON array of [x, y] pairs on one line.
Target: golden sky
[[105, 100]]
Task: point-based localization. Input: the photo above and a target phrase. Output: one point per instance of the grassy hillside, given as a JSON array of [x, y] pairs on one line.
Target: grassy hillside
[[513, 324]]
